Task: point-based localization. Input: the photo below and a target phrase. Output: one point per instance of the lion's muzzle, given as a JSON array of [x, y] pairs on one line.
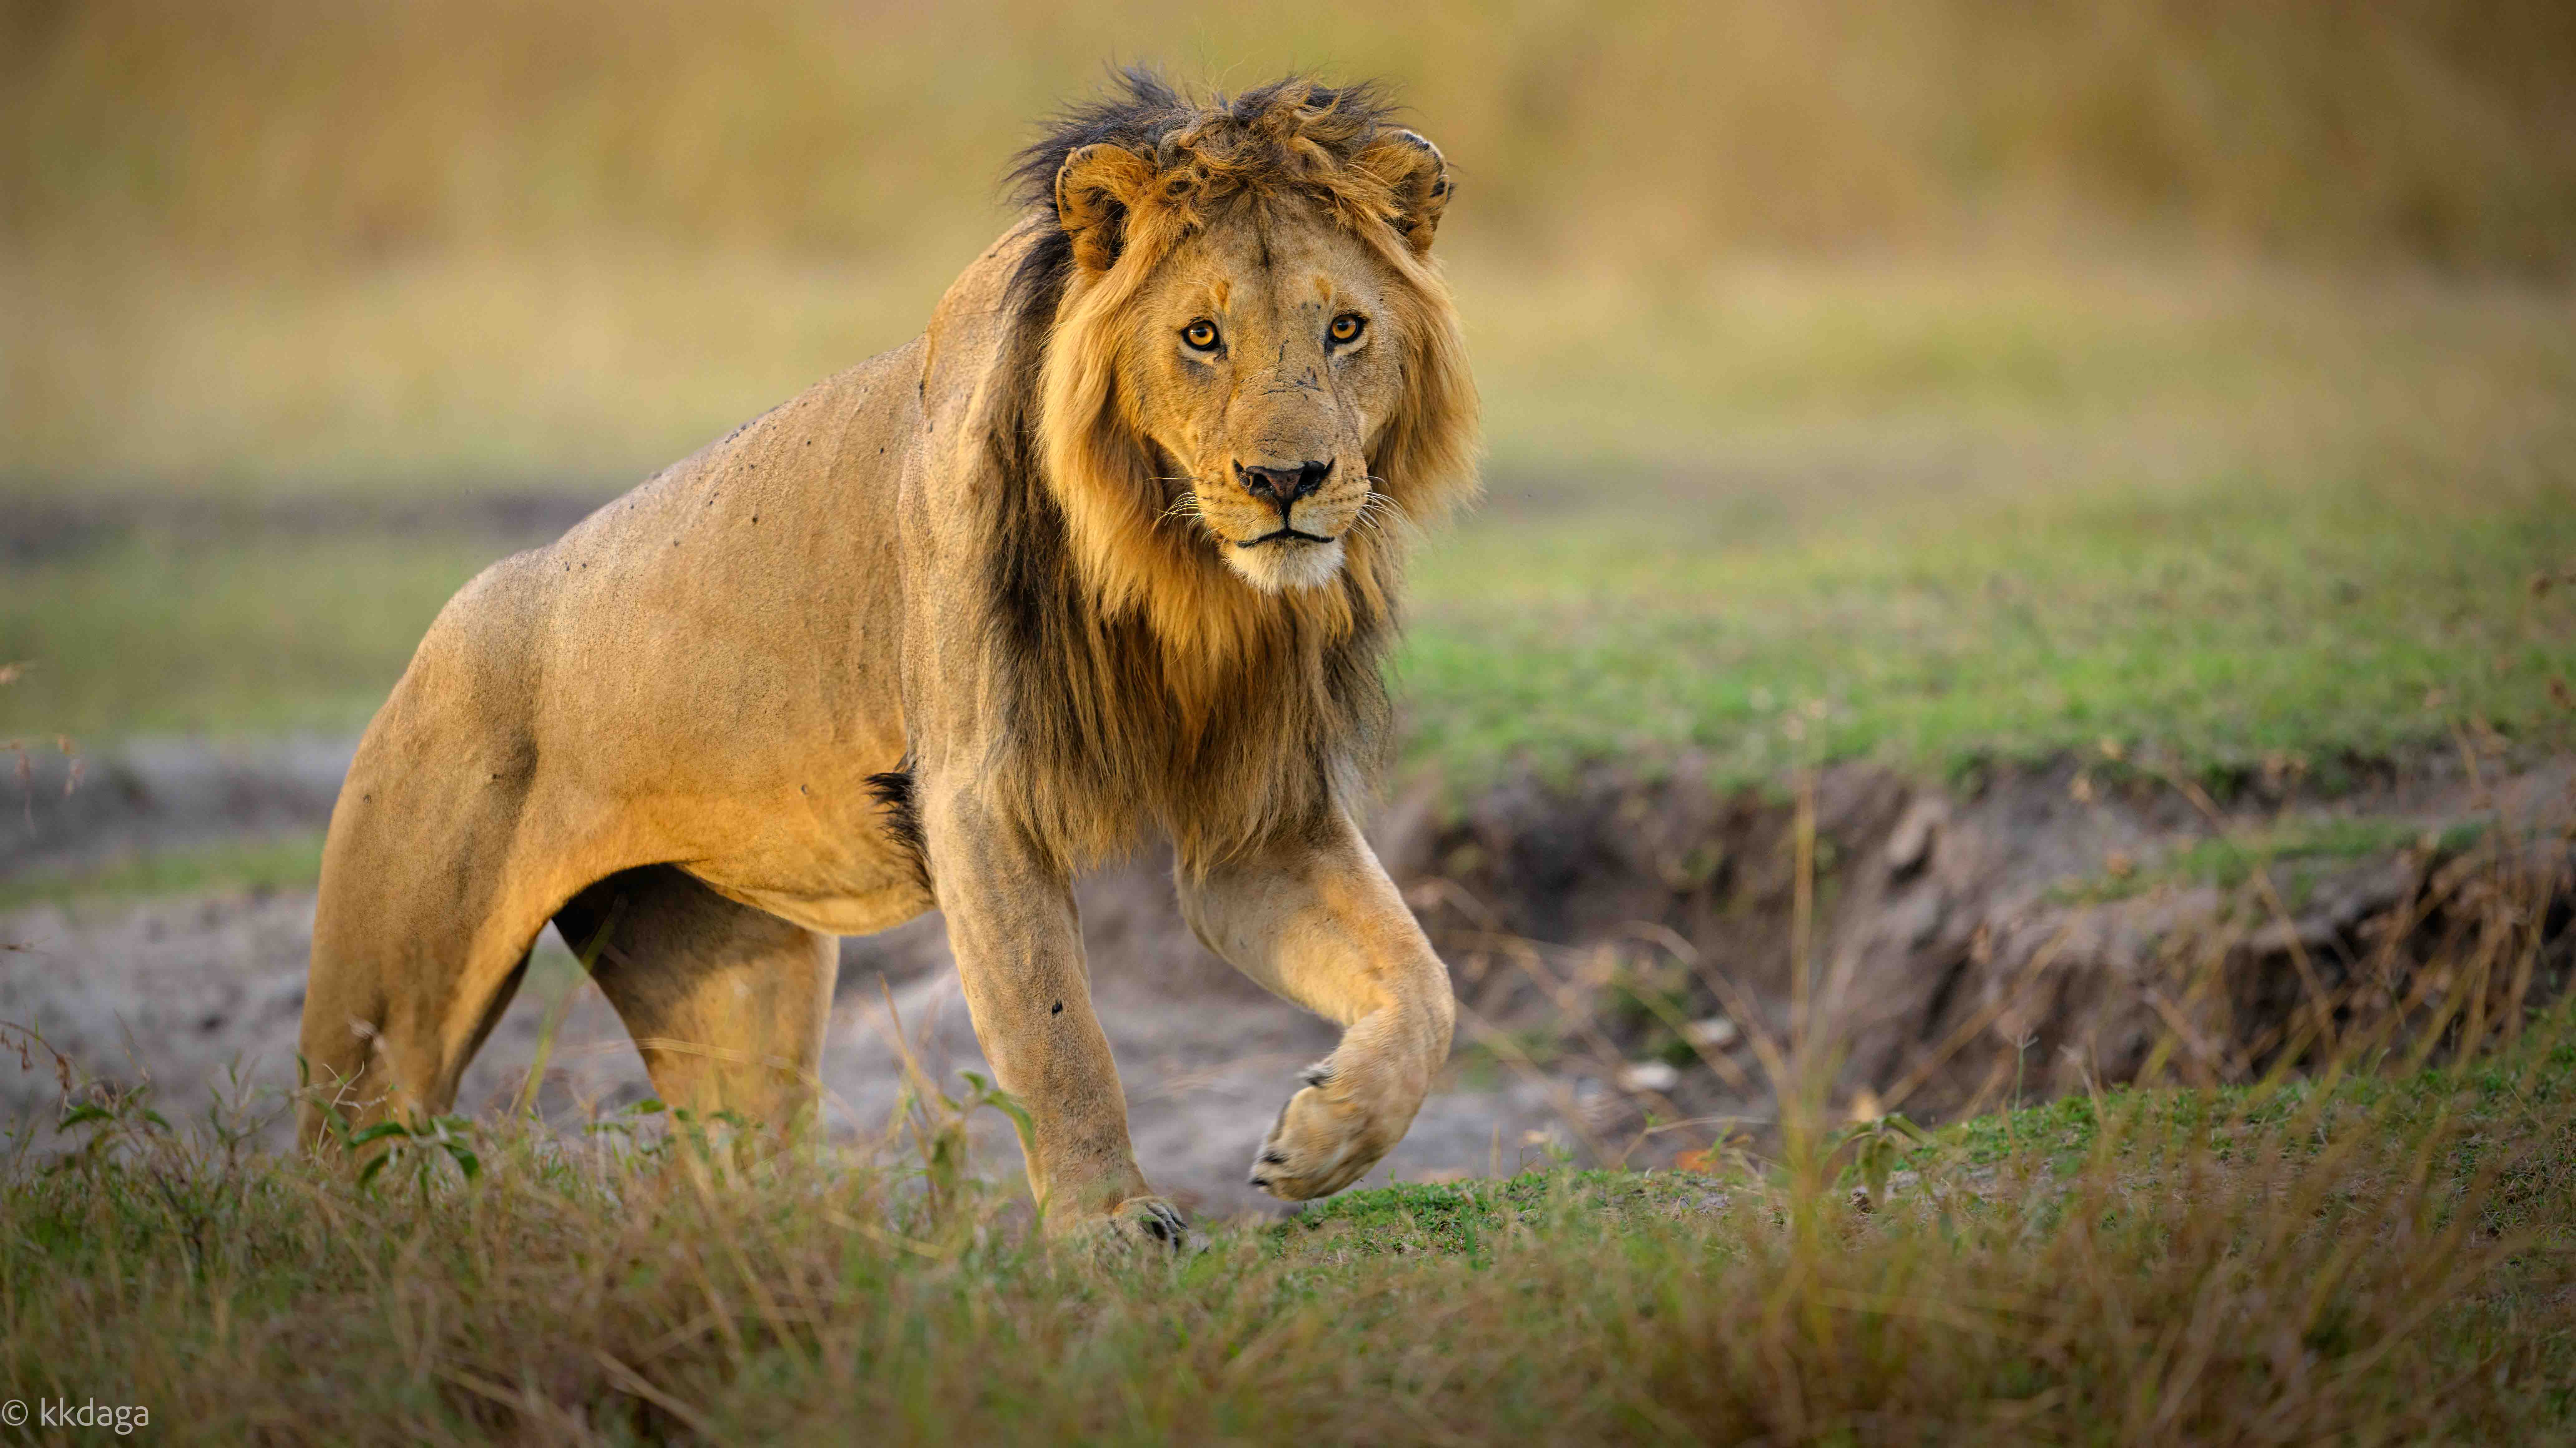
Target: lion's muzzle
[[1282, 487]]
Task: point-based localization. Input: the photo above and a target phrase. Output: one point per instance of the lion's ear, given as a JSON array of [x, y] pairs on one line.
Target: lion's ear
[[1415, 171], [1095, 190]]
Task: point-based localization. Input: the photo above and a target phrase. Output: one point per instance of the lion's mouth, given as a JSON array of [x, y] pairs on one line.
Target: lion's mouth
[[1283, 535]]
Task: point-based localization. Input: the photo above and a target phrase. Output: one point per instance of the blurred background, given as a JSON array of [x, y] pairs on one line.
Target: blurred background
[[1766, 262], [469, 265], [1946, 389]]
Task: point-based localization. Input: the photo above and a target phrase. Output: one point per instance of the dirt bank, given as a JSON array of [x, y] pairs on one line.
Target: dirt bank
[[2033, 932]]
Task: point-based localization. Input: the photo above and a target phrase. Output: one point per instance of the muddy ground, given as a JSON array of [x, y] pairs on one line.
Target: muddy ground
[[1620, 945]]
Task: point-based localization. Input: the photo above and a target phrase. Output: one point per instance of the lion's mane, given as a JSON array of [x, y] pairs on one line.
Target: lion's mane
[[1131, 668]]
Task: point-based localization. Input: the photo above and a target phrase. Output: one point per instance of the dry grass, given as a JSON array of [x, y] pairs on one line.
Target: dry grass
[[1797, 390], [270, 241], [2387, 1265], [284, 129]]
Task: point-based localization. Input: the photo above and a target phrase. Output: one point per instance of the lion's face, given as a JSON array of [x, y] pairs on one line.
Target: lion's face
[[1263, 361], [1254, 359]]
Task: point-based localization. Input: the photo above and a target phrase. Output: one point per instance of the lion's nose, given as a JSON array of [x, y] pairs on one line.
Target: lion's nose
[[1282, 486]]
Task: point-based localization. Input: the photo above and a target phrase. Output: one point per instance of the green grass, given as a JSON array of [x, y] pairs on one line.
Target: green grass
[[2209, 633], [2305, 848], [162, 634], [2375, 1259], [2204, 633], [282, 863]]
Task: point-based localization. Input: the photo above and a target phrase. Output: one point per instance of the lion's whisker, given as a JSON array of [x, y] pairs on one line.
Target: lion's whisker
[[1184, 504], [1377, 510]]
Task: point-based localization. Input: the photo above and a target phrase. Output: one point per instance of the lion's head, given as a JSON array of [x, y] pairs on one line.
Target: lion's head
[[1254, 383]]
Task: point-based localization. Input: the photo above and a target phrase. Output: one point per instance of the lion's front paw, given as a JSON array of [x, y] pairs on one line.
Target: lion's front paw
[[1323, 1142]]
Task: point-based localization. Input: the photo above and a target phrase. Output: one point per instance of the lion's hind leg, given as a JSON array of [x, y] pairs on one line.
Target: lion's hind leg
[[420, 938], [727, 1004]]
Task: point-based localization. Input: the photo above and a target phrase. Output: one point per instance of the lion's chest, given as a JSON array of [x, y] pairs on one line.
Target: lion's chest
[[819, 853]]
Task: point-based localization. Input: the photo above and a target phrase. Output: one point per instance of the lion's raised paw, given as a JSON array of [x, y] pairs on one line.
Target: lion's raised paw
[[1319, 1145]]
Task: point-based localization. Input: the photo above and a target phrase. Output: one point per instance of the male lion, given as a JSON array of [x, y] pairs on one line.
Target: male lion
[[1114, 543]]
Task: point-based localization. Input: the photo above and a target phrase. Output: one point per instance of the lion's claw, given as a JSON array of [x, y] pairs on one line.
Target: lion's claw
[[1155, 1218], [1139, 1222]]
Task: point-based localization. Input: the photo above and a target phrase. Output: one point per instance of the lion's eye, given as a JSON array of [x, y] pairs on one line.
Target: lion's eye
[[1346, 327], [1200, 334]]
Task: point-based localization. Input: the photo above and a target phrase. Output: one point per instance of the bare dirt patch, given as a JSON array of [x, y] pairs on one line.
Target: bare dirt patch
[[197, 994]]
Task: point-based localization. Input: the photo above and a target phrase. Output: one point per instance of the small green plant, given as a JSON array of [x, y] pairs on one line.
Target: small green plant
[[1877, 1147], [419, 1148], [113, 1116], [703, 1137], [935, 1122]]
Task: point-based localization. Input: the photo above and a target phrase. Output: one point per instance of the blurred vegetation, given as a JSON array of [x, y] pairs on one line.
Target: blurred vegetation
[[2210, 630], [264, 862], [2209, 634], [278, 243], [1990, 377], [284, 130], [168, 633]]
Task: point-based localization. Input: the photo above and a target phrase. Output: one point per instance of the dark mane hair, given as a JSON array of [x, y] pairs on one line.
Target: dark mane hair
[[1142, 111]]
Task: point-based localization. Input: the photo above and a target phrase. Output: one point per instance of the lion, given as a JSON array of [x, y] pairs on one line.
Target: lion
[[1113, 547]]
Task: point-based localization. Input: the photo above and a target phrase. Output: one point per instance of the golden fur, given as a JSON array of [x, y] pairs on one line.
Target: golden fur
[[1115, 545]]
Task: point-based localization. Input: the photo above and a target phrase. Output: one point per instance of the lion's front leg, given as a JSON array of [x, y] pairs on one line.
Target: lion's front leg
[[1018, 943], [1315, 919]]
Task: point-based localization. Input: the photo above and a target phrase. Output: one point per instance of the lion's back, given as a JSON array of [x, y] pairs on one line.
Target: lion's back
[[684, 626]]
